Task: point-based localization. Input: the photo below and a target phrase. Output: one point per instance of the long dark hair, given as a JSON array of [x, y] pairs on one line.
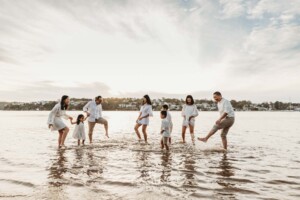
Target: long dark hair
[[148, 100], [64, 106], [192, 100], [78, 118]]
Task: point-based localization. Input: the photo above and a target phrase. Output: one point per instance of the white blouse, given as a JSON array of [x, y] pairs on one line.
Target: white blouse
[[189, 111], [57, 112]]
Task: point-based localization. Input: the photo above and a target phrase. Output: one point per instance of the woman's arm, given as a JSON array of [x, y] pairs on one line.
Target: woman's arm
[[52, 116]]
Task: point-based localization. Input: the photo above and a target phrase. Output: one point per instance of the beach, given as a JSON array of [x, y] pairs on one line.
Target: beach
[[262, 161]]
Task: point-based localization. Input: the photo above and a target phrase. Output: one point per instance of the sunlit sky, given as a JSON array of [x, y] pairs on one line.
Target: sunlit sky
[[164, 48]]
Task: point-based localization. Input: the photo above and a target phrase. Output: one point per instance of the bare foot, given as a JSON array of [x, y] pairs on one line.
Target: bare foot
[[107, 135], [202, 139], [183, 142]]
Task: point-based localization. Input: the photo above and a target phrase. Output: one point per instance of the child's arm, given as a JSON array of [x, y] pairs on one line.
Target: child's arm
[[72, 122]]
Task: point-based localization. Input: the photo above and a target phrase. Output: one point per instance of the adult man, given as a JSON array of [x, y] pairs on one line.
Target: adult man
[[225, 121], [93, 109]]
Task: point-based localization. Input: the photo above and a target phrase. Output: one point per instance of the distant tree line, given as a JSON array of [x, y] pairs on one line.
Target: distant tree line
[[134, 104]]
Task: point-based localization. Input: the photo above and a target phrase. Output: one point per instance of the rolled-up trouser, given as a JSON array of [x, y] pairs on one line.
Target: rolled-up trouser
[[225, 125], [92, 124]]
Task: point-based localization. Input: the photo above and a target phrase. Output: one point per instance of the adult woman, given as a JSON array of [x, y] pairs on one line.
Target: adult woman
[[143, 119], [189, 112], [55, 121]]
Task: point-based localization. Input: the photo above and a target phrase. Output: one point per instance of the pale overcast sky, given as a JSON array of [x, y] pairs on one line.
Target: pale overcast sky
[[118, 48]]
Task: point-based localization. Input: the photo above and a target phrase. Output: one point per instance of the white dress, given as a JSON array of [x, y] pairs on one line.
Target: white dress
[[79, 132], [55, 118], [189, 111], [145, 110]]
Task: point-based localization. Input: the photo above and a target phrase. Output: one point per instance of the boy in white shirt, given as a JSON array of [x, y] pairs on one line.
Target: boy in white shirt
[[165, 130]]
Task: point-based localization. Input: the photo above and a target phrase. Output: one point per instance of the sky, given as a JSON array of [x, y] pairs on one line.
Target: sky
[[165, 48]]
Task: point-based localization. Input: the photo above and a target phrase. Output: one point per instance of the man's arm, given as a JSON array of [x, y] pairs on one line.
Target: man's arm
[[86, 108]]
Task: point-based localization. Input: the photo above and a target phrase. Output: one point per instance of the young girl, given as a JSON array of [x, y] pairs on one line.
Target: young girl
[[165, 130], [79, 131], [189, 112], [55, 122], [143, 119]]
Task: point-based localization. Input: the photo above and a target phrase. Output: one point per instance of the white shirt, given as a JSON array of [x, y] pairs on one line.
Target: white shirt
[[169, 117], [145, 110], [165, 127], [224, 106], [189, 111], [94, 110], [57, 112]]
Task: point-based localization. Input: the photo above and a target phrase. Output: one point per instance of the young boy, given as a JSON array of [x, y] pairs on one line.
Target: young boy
[[165, 130], [165, 107]]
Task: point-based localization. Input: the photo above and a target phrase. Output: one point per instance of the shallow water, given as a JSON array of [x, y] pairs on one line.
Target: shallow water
[[263, 161]]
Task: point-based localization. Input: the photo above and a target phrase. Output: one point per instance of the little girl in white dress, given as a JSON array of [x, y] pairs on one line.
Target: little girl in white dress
[[79, 131]]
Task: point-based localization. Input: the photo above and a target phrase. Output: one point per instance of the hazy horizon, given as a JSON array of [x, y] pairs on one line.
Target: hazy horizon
[[248, 50]]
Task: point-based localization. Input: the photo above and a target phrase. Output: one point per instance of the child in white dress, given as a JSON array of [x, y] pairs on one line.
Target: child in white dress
[[165, 130], [189, 113], [79, 131], [165, 107]]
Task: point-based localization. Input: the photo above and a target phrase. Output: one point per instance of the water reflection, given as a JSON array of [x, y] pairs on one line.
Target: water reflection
[[189, 166], [166, 161], [223, 179], [58, 169], [143, 165]]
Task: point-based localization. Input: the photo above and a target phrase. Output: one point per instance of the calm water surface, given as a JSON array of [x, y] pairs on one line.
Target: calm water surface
[[263, 161]]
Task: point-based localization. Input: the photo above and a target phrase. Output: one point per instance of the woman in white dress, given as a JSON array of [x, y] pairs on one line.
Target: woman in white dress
[[189, 113], [55, 122], [143, 119]]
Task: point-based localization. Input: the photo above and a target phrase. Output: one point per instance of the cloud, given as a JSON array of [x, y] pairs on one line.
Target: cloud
[[163, 47], [48, 90]]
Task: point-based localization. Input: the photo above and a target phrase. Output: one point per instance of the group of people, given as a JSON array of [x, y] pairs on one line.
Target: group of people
[[93, 111]]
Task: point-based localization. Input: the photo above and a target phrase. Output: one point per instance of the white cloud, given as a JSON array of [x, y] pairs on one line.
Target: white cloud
[[162, 47]]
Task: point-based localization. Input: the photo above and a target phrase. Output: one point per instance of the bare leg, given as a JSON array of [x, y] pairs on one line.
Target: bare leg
[[183, 133], [192, 133], [213, 131], [65, 133], [162, 144], [78, 142], [144, 128], [224, 141], [106, 129], [136, 129], [167, 147], [170, 140], [83, 142], [91, 130], [60, 133]]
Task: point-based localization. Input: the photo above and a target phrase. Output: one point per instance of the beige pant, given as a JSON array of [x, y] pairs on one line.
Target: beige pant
[[98, 121], [224, 125]]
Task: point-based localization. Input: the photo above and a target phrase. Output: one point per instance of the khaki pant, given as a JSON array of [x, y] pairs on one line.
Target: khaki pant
[[224, 125], [98, 121]]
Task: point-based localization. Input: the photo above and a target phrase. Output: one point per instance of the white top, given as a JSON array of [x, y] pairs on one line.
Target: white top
[[94, 110], [145, 110], [189, 111], [169, 117], [79, 131], [165, 126], [57, 112], [224, 106]]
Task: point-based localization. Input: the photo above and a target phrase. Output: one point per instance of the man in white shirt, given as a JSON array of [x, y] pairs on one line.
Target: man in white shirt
[[93, 109], [225, 121]]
